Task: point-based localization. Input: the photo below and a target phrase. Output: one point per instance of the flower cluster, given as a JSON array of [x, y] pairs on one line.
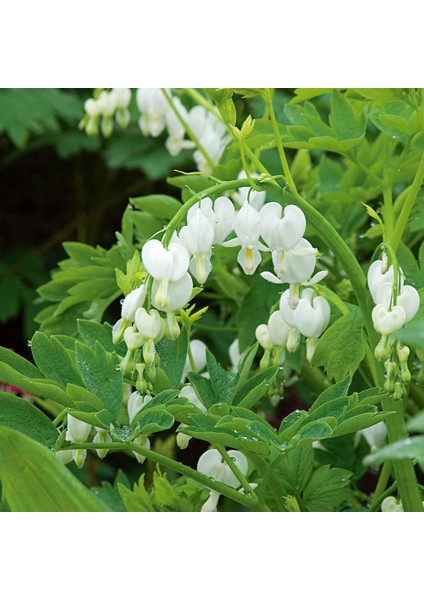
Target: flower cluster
[[196, 129], [101, 110], [161, 111], [395, 305]]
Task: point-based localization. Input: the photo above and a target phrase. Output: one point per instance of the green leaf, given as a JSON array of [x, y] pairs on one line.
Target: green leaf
[[343, 119], [223, 382], [90, 332], [152, 420], [412, 335], [17, 363], [34, 480], [173, 355], [53, 360], [342, 347], [295, 470], [416, 423], [412, 447], [255, 388], [158, 205], [203, 389], [101, 375], [326, 489], [255, 309], [137, 500], [379, 93], [80, 395], [317, 430], [20, 415], [354, 423], [338, 390]]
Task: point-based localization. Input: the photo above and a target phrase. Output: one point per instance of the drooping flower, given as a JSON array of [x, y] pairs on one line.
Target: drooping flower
[[165, 265], [153, 107], [247, 228], [213, 465], [136, 402], [220, 214], [77, 432], [197, 237], [175, 141], [246, 194]]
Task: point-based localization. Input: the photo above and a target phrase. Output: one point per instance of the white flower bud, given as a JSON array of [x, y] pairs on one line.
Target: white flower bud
[[278, 329], [133, 301], [263, 336]]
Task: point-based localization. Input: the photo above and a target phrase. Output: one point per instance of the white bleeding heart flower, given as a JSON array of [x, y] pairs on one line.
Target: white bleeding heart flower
[[77, 432], [387, 321], [312, 314], [144, 442], [198, 353], [149, 324], [197, 238], [153, 107], [254, 197], [213, 465], [136, 402], [102, 437], [378, 274], [278, 329], [134, 300], [178, 294], [220, 214], [247, 228], [409, 300], [282, 232], [165, 265], [263, 336]]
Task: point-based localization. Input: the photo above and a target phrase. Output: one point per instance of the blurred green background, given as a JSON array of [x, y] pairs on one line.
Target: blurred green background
[[58, 184]]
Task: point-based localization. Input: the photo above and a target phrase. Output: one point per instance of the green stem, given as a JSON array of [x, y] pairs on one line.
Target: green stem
[[221, 488], [337, 244], [407, 205], [188, 130], [240, 477], [388, 212], [280, 147], [375, 504], [404, 469], [215, 189], [382, 483]]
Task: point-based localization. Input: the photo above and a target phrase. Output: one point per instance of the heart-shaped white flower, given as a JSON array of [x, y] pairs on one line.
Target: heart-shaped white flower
[[387, 321]]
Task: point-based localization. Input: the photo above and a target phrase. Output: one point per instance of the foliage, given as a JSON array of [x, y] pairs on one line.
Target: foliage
[[129, 401]]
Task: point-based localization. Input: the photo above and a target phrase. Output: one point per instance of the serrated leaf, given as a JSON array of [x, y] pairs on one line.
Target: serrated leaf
[[137, 500], [34, 480], [341, 348], [326, 489]]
